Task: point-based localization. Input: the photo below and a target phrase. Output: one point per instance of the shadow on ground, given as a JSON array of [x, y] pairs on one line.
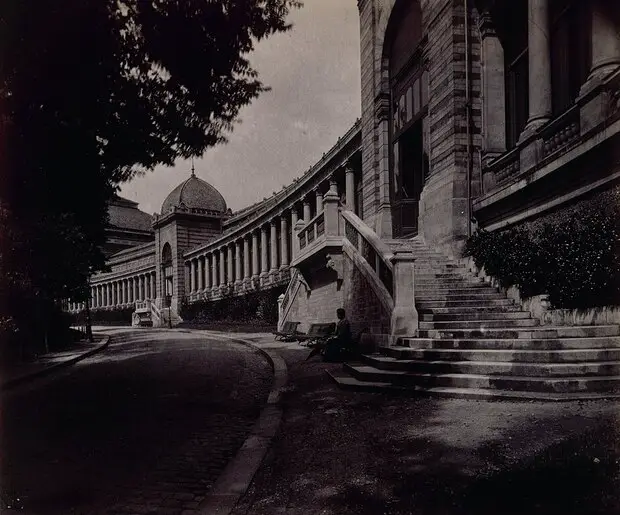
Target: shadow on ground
[[366, 454]]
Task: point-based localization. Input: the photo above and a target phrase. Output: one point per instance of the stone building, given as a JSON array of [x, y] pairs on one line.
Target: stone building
[[475, 113]]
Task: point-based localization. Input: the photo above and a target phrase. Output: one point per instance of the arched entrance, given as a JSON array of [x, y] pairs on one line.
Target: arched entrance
[[409, 134]]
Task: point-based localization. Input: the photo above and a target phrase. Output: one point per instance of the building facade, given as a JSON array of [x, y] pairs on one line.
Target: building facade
[[475, 114]]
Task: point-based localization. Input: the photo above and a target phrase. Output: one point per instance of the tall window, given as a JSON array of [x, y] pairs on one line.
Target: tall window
[[570, 50], [512, 28], [166, 263], [410, 147]]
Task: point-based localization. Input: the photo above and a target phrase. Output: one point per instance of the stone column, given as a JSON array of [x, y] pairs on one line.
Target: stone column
[[284, 235], [539, 59], [246, 258], [319, 200], [493, 91], [222, 266], [115, 286], [605, 43], [229, 262], [238, 262], [274, 246], [263, 251], [294, 220], [214, 281], [153, 287], [307, 213], [201, 274], [207, 272], [192, 276], [349, 175], [255, 266], [135, 289]]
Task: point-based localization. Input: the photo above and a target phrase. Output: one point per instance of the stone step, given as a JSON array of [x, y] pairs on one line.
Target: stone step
[[456, 287], [523, 368], [480, 325], [492, 332], [510, 355], [468, 310], [470, 295], [564, 384], [346, 382], [445, 303], [536, 343], [497, 315], [425, 275]]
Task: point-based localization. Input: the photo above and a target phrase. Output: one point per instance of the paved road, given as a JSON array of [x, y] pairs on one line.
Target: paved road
[[146, 427]]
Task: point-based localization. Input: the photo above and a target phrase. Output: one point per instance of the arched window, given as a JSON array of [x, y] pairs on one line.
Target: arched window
[[166, 254], [410, 129], [167, 269]]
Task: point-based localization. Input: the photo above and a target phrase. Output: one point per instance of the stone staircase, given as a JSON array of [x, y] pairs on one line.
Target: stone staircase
[[474, 342]]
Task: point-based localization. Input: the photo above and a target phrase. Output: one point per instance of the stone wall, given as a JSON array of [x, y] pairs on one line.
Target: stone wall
[[320, 304], [364, 310], [443, 218], [353, 293]]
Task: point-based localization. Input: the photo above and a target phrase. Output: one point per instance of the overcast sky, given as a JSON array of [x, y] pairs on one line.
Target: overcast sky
[[314, 73]]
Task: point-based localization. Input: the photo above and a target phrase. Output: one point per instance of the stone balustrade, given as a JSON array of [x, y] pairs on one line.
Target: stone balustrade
[[121, 292], [258, 253]]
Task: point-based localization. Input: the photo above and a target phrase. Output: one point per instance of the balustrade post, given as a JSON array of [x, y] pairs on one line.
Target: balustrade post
[[330, 202], [296, 230], [404, 320]]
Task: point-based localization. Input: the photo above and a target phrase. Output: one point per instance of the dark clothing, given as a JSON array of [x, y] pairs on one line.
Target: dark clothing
[[337, 346], [343, 331]]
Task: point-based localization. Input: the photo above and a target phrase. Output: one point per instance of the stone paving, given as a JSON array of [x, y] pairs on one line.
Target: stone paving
[[143, 428]]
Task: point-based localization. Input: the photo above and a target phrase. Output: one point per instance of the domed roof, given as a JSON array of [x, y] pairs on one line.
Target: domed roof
[[194, 194]]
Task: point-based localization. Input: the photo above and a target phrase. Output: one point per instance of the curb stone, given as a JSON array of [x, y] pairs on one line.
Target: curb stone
[[11, 383], [238, 474]]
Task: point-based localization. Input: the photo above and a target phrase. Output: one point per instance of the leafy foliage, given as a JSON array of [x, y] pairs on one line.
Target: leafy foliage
[[573, 255], [260, 306], [93, 92]]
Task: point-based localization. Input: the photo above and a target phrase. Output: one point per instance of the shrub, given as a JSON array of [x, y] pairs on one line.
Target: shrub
[[259, 306], [573, 255]]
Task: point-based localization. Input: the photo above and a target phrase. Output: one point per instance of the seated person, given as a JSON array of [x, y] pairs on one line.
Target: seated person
[[332, 349]]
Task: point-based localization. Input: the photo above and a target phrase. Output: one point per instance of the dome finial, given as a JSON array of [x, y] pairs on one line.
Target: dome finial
[[193, 172]]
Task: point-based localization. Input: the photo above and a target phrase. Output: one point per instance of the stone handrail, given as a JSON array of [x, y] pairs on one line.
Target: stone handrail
[[376, 253], [313, 230]]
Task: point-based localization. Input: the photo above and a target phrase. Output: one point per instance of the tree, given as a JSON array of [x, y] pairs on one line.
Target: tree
[[92, 93]]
